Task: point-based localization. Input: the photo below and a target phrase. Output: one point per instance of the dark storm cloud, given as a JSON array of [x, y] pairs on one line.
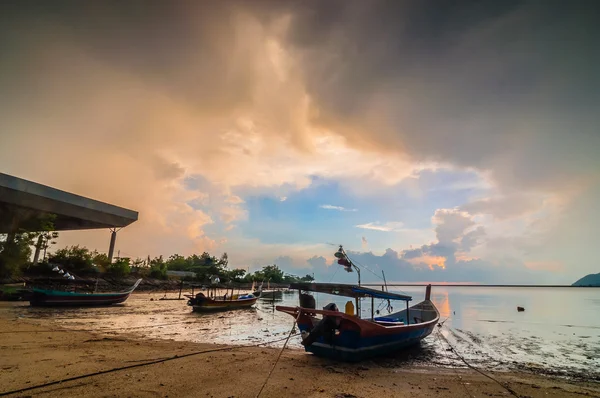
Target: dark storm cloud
[[507, 86], [503, 87]]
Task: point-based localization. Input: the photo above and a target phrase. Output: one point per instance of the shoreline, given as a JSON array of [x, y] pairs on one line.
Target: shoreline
[[39, 351]]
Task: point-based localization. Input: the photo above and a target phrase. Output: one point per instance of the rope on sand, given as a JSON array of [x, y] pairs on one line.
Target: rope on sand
[[503, 385], [438, 334], [278, 356], [52, 383]]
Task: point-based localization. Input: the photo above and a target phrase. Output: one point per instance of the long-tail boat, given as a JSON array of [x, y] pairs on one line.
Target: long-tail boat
[[345, 335], [202, 303], [51, 298]]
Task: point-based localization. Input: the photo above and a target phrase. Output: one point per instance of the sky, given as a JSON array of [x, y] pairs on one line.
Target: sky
[[453, 141]]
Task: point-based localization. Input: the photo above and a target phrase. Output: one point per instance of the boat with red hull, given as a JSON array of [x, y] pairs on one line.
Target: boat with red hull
[[56, 298], [345, 335]]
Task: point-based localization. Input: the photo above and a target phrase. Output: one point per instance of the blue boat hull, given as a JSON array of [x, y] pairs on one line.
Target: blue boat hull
[[348, 346]]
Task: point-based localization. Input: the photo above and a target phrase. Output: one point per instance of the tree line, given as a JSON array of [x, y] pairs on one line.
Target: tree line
[[16, 252]]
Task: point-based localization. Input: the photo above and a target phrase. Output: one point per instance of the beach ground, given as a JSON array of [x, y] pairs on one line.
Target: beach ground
[[36, 352]]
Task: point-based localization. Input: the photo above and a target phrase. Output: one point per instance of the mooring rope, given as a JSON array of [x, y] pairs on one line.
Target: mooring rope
[[455, 372], [152, 362], [503, 385], [279, 356]]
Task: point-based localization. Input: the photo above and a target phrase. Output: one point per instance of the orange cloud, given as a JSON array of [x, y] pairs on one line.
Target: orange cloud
[[430, 261]]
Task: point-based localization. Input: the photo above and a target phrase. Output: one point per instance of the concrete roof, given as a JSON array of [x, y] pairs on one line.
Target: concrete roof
[[24, 202]]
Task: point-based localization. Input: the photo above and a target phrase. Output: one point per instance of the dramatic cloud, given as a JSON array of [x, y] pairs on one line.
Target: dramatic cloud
[[129, 103], [505, 207]]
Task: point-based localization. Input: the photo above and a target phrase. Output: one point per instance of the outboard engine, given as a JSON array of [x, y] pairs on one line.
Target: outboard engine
[[199, 298], [307, 301], [325, 327]]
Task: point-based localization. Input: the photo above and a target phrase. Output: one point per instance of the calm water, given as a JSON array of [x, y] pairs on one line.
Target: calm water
[[558, 332]]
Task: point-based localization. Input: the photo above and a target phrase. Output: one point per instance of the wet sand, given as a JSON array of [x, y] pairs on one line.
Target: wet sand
[[35, 352]]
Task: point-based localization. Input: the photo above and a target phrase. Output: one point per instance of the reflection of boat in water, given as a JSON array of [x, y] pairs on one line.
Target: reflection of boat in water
[[201, 303], [44, 297], [344, 335]]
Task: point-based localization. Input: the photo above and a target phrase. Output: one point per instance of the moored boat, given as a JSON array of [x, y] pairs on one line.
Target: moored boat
[[345, 335], [269, 294], [51, 298], [202, 303], [216, 302]]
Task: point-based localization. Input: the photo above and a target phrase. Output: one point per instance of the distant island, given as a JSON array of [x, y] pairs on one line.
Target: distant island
[[589, 280]]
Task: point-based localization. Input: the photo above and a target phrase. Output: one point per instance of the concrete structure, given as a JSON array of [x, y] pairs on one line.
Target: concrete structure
[[181, 274], [25, 204]]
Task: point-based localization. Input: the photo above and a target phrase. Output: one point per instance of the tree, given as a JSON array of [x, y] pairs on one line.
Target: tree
[[16, 247], [15, 251], [120, 268], [236, 275], [100, 260], [74, 259], [270, 273], [177, 263], [48, 238], [158, 268]]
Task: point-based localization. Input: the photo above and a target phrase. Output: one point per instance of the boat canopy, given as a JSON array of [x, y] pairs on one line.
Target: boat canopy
[[348, 291]]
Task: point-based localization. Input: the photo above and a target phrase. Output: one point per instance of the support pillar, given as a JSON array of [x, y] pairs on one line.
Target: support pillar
[[111, 248], [38, 248]]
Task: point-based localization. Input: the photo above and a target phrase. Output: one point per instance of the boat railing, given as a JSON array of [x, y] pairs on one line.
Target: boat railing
[[338, 314]]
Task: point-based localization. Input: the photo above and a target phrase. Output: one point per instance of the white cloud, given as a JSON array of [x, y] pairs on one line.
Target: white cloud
[[389, 226], [339, 208]]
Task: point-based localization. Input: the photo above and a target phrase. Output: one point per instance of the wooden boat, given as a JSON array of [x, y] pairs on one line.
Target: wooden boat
[[51, 298], [345, 336], [269, 294], [201, 303]]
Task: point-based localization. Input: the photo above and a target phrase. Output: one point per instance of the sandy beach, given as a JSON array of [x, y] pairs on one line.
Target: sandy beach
[[34, 354]]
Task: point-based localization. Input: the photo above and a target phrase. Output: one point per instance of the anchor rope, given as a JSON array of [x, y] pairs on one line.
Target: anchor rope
[[152, 362], [455, 372], [279, 356], [503, 385]]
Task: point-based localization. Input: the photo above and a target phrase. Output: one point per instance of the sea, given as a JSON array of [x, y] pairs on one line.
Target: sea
[[557, 334]]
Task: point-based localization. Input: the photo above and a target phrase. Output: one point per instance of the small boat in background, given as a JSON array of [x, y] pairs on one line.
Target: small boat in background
[[270, 294], [520, 309], [52, 298], [201, 303]]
